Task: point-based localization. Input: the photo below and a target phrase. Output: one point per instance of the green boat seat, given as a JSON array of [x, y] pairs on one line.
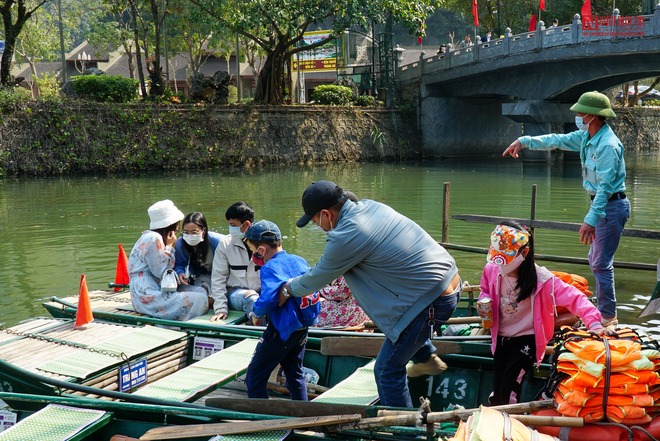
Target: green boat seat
[[358, 388], [57, 423], [194, 381]]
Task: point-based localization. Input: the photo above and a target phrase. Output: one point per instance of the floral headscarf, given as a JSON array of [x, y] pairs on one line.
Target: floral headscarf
[[505, 242]]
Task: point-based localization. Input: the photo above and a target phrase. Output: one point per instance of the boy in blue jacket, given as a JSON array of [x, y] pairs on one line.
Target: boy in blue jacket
[[283, 342]]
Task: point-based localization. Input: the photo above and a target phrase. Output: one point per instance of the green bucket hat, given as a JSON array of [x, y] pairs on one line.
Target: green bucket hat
[[594, 103]]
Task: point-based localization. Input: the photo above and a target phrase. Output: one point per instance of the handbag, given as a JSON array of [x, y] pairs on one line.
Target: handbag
[[169, 282]]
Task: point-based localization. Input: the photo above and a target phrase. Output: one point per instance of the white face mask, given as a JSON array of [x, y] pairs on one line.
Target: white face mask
[[579, 122], [193, 239], [514, 265], [236, 231]]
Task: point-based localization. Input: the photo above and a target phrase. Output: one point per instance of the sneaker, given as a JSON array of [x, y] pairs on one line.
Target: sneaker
[[610, 323], [433, 366]]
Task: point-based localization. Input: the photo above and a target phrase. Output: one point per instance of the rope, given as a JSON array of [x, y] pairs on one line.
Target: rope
[[645, 432], [624, 427], [608, 372]]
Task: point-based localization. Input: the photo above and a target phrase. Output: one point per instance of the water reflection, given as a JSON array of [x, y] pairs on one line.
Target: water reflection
[[56, 229]]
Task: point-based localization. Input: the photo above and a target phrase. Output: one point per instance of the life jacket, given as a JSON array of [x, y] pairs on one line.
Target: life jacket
[[606, 377], [488, 424]]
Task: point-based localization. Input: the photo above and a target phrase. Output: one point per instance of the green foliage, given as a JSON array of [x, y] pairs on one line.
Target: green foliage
[[651, 103], [364, 100], [49, 86], [331, 94], [105, 88], [13, 97], [233, 94]]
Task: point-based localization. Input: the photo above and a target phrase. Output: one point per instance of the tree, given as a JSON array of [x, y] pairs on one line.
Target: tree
[[15, 13], [278, 25]]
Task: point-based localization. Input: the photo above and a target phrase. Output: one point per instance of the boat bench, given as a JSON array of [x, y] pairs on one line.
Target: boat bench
[[57, 423], [196, 380]]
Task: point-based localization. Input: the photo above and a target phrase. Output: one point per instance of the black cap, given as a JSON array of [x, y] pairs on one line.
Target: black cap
[[319, 196]]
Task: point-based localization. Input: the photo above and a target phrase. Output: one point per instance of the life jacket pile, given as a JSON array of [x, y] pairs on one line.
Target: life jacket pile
[[615, 378], [488, 424]]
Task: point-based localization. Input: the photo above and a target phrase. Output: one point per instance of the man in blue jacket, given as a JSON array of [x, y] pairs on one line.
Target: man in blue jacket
[[402, 278], [603, 177]]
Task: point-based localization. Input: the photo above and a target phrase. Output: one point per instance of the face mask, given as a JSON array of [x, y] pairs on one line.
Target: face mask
[[193, 239], [329, 221], [579, 122], [236, 232], [514, 265], [257, 259]]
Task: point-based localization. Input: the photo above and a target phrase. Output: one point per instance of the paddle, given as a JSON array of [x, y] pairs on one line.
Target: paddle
[[289, 408], [199, 430], [369, 346], [653, 306]]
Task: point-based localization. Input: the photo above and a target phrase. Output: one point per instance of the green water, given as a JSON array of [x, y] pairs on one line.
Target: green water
[[56, 229]]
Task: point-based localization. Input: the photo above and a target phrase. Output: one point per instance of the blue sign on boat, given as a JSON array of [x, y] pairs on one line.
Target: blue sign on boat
[[133, 375]]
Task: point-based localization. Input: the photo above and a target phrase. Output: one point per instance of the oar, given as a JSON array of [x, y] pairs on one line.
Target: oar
[[289, 408], [199, 430], [528, 406]]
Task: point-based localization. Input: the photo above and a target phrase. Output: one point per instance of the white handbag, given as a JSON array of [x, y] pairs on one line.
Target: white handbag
[[169, 282]]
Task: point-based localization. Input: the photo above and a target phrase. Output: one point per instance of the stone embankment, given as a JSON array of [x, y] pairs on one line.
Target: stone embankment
[[50, 138], [638, 128]]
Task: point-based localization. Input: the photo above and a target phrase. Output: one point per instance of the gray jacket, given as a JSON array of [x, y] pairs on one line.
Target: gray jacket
[[394, 268]]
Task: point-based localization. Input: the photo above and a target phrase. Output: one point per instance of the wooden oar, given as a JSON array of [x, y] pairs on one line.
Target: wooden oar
[[370, 346], [438, 417], [289, 408], [199, 430], [528, 406]]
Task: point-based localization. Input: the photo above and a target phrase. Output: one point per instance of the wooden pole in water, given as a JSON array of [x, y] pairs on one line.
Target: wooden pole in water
[[445, 213], [532, 214]]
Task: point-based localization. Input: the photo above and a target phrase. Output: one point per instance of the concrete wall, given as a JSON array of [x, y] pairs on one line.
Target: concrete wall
[[452, 127]]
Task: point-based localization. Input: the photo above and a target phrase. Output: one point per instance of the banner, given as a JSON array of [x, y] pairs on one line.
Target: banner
[[319, 59], [475, 12]]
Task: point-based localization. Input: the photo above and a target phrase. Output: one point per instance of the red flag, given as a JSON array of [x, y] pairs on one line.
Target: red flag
[[84, 312], [542, 5], [475, 12], [121, 272], [532, 23], [419, 39], [586, 12]]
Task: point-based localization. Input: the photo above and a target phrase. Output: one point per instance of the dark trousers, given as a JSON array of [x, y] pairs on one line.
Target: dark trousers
[[514, 358], [272, 351]]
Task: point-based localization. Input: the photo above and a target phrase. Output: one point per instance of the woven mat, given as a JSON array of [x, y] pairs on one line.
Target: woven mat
[[82, 363], [53, 422], [211, 372], [273, 435], [358, 388]]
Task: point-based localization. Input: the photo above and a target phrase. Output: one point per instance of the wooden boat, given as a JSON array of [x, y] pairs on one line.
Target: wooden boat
[[153, 366]]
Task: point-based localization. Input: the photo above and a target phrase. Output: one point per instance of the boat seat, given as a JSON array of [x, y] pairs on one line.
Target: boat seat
[[57, 423], [358, 388], [194, 381]]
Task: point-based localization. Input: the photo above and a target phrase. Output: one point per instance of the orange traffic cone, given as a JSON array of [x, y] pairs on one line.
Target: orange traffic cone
[[121, 273], [84, 312]]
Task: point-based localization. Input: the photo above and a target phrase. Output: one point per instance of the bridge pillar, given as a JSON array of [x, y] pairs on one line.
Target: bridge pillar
[[452, 127]]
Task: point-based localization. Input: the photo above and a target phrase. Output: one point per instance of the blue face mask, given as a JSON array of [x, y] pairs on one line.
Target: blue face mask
[[579, 122], [236, 231]]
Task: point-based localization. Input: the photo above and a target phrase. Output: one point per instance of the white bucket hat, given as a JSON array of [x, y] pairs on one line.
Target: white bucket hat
[[163, 214]]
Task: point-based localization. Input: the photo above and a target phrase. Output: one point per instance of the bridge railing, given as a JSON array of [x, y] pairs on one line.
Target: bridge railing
[[601, 28]]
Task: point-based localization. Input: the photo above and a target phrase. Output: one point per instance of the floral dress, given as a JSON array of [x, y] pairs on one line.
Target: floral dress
[[338, 306], [148, 261]]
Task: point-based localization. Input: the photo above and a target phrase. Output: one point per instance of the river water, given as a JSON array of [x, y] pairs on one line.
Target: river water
[[58, 228]]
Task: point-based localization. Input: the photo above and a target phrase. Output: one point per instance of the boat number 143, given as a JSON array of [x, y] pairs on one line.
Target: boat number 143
[[444, 389]]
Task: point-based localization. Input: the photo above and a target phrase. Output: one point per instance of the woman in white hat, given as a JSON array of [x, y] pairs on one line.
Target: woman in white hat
[[151, 257]]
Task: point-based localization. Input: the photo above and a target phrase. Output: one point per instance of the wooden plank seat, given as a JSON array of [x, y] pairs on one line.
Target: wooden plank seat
[[197, 379], [57, 423]]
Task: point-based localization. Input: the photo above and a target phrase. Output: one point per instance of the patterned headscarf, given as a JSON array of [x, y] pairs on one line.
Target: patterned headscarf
[[505, 242]]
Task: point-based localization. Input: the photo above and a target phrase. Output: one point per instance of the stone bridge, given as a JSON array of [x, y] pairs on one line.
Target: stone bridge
[[476, 100]]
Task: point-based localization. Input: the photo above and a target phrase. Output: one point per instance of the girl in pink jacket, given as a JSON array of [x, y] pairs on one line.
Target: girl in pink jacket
[[524, 301]]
